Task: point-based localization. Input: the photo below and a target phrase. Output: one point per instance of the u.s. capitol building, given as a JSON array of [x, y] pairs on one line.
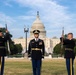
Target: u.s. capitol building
[[49, 42]]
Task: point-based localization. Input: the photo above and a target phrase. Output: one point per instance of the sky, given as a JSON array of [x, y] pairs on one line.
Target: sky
[[54, 14]]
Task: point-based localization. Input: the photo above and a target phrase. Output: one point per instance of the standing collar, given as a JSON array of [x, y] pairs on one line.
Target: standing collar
[[70, 39], [36, 39]]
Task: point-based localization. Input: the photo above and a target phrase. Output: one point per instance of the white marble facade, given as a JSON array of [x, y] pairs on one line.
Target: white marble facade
[[49, 42]]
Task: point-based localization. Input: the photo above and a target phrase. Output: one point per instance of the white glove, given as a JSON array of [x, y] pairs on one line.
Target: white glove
[[29, 58]]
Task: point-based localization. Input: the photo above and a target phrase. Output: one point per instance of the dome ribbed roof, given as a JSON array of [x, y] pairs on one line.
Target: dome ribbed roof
[[37, 24]]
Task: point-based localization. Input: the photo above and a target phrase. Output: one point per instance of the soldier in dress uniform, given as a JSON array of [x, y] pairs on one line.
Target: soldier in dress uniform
[[3, 40], [69, 44], [36, 51]]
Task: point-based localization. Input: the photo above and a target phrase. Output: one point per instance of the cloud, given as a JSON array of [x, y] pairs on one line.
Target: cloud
[[7, 3], [1, 25], [25, 17], [6, 19], [50, 11], [17, 32], [53, 15]]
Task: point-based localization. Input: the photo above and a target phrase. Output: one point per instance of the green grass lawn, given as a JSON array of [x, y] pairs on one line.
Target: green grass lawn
[[23, 67]]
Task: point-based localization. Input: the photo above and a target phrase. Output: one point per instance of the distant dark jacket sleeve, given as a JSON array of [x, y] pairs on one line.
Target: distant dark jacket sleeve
[[29, 49], [64, 41], [7, 36], [43, 49]]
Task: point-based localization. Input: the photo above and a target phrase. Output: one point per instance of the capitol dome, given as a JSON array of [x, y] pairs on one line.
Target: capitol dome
[[37, 24]]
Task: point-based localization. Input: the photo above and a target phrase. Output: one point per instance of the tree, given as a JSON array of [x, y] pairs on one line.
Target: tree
[[13, 49], [65, 36], [2, 29], [58, 50], [19, 48]]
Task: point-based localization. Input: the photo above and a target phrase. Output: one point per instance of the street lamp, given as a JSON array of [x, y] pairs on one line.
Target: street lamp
[[26, 31]]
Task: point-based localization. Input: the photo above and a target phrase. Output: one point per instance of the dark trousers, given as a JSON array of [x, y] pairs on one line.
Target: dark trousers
[[2, 65], [36, 65], [68, 66]]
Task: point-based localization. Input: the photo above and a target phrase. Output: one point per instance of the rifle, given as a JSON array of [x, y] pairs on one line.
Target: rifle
[[62, 40], [8, 47]]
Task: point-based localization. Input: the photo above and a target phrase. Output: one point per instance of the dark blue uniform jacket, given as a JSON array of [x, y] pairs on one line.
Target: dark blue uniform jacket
[[36, 49], [3, 40], [69, 44]]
